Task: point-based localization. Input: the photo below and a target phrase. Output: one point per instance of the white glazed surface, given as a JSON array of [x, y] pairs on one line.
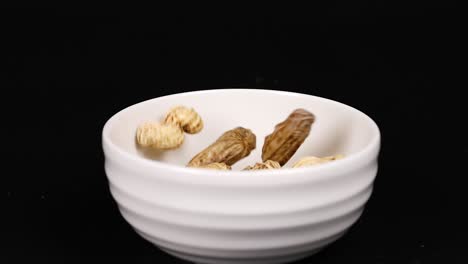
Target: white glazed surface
[[268, 216]]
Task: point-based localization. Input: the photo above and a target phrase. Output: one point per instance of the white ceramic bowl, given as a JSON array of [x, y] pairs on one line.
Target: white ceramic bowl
[[266, 216]]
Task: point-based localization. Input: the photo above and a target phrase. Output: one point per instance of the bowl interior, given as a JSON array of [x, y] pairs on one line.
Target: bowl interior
[[338, 129]]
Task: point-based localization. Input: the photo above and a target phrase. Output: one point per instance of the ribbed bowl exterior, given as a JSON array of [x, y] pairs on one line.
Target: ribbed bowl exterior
[[222, 223], [239, 217]]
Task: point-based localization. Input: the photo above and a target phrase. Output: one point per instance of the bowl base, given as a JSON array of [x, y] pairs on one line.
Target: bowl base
[[214, 260]]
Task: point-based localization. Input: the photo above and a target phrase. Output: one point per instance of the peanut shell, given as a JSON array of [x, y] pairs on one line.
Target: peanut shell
[[229, 148], [288, 136]]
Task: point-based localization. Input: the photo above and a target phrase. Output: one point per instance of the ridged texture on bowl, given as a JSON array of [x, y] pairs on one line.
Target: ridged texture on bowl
[[238, 224], [263, 216]]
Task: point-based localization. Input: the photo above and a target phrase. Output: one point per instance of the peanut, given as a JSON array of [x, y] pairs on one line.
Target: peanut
[[311, 160], [216, 166], [269, 164], [288, 136], [159, 136], [189, 120], [170, 133], [229, 148]]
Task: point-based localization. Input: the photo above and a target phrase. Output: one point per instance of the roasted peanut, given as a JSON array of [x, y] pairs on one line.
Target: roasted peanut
[[216, 166], [170, 133], [311, 160], [229, 148], [288, 136], [159, 136], [189, 120], [269, 164]]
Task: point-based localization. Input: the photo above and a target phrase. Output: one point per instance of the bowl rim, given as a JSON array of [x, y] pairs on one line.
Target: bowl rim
[[210, 176]]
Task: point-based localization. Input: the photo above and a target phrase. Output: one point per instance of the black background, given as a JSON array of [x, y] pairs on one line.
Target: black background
[[67, 71]]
